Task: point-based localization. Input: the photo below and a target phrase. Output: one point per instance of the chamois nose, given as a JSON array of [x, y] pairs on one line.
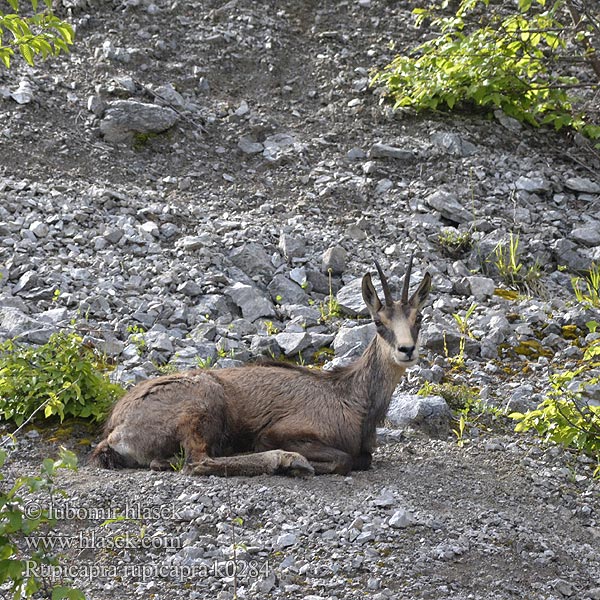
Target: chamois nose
[[407, 350]]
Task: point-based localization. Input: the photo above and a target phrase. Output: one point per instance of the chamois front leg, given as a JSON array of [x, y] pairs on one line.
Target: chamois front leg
[[271, 462], [324, 459]]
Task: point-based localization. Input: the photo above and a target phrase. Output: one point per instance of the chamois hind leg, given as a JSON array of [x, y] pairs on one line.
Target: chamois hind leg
[[270, 462], [324, 459], [202, 436]]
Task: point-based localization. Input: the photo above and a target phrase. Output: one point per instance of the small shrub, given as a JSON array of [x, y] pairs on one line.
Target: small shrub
[[63, 377], [508, 61], [565, 417], [16, 559]]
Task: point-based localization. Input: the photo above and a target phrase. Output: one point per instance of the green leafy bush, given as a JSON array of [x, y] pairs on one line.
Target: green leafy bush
[[62, 377], [565, 417], [508, 62], [18, 565], [39, 34]]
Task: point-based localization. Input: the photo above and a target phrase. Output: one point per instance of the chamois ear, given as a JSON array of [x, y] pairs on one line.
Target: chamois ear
[[370, 296], [420, 296]]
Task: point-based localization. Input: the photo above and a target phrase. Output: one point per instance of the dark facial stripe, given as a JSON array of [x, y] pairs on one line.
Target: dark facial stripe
[[386, 334]]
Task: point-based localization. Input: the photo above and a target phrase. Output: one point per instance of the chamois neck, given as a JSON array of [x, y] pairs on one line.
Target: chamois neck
[[374, 377]]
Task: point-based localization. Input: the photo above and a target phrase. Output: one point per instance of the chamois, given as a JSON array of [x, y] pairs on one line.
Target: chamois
[[275, 417]]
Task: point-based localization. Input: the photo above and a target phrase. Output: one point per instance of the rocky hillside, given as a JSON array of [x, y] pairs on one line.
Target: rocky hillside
[[193, 182]]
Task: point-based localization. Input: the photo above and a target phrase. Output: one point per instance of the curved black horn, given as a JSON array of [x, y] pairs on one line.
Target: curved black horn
[[404, 298], [384, 284]]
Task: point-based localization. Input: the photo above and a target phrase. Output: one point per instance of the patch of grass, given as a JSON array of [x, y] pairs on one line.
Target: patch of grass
[[330, 307], [512, 270], [455, 243], [458, 396], [589, 295]]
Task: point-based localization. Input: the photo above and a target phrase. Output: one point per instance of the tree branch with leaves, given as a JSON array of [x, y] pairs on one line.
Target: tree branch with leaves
[[37, 33]]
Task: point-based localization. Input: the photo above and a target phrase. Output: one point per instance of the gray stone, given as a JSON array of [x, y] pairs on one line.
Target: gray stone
[[285, 540], [453, 143], [39, 229], [481, 287], [291, 246], [252, 259], [194, 242], [507, 122], [350, 299], [430, 414], [278, 146], [588, 235], [386, 151], [28, 282], [400, 519], [353, 339], [448, 206], [264, 345], [189, 288], [157, 340], [583, 185], [125, 118], [15, 322], [334, 258], [167, 95], [384, 499], [248, 146], [285, 291], [293, 343], [533, 185], [383, 186], [356, 154], [250, 300]]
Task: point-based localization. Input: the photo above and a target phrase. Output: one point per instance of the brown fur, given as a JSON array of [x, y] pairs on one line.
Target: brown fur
[[268, 418]]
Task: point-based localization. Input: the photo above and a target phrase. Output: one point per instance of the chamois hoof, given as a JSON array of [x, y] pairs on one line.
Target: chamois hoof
[[292, 463]]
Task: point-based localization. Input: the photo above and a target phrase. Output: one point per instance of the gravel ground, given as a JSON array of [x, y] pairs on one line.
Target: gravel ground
[[178, 187]]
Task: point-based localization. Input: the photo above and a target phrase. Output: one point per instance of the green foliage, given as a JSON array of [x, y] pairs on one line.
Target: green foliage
[[458, 396], [463, 322], [39, 34], [455, 243], [205, 363], [565, 417], [18, 565], [63, 377], [512, 271], [508, 62], [590, 296], [330, 307]]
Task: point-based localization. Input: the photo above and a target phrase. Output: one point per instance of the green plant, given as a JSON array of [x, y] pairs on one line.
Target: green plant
[[495, 60], [463, 322], [457, 360], [458, 396], [39, 34], [179, 462], [64, 377], [19, 566], [565, 417], [271, 329], [512, 271], [205, 363], [330, 307], [590, 297], [136, 334], [455, 243]]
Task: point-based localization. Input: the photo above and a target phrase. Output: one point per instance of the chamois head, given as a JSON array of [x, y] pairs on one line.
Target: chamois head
[[398, 322]]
